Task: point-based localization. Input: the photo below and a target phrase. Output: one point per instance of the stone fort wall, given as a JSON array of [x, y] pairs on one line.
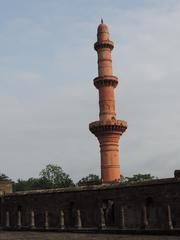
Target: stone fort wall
[[150, 205]]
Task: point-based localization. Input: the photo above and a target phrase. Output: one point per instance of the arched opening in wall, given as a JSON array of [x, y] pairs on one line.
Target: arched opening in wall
[[109, 211], [19, 208], [131, 217], [71, 215], [151, 212]]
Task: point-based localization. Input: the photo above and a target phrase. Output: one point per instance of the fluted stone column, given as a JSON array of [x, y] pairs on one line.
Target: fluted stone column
[[102, 219], [78, 219], [170, 225], [62, 220], [122, 218], [7, 220], [19, 220], [32, 220], [46, 220]]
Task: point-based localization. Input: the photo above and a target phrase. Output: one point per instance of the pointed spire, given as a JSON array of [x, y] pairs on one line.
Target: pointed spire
[[101, 20]]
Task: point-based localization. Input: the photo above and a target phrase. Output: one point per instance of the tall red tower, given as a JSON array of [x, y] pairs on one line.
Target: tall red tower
[[108, 129]]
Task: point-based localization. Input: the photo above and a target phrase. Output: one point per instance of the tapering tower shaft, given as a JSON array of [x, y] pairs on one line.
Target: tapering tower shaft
[[108, 130], [106, 93]]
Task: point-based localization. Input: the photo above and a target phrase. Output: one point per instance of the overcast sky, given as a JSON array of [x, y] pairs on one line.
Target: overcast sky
[[47, 97]]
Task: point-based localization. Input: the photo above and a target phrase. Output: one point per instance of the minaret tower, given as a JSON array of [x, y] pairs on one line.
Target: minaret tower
[[108, 129]]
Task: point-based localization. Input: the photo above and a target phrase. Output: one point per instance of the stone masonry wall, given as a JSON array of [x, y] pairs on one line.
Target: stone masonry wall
[[151, 205]]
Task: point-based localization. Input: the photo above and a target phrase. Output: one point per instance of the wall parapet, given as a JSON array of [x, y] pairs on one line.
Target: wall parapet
[[99, 187]]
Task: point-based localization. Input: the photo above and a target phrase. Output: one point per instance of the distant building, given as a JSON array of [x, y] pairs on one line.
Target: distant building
[[5, 187]]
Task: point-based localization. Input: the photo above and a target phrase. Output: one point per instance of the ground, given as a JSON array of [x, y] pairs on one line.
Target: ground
[[74, 236]]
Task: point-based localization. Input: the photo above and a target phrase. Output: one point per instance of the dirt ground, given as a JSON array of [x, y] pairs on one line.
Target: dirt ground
[[75, 236]]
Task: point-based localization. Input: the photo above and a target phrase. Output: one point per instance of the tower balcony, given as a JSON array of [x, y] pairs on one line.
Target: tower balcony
[[104, 44], [103, 127], [105, 81]]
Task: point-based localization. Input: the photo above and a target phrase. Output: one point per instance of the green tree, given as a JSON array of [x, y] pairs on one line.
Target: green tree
[[31, 184], [91, 179], [136, 178], [51, 177], [4, 177], [122, 179], [55, 177], [21, 185]]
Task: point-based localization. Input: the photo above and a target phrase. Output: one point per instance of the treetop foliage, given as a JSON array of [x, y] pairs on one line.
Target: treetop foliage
[[136, 178], [91, 179], [56, 176], [4, 177], [53, 176]]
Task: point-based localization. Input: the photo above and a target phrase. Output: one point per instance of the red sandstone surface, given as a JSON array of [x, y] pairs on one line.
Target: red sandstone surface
[[108, 130]]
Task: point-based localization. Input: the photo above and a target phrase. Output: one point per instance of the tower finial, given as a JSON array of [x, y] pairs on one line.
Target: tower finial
[[101, 20]]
